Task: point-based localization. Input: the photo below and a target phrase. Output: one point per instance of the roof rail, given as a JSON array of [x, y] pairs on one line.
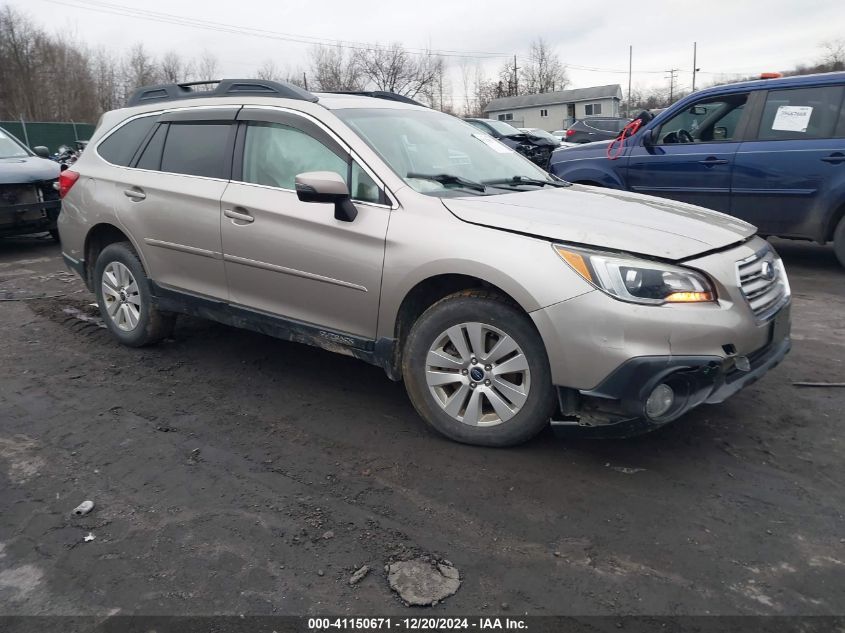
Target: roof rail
[[379, 94], [224, 88]]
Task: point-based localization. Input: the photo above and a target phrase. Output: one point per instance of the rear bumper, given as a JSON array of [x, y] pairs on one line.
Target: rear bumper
[[616, 408]]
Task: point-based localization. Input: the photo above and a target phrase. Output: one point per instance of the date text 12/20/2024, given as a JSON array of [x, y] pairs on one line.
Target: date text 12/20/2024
[[417, 624]]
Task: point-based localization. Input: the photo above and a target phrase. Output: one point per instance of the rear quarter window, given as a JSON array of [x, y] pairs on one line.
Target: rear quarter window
[[801, 113], [120, 146]]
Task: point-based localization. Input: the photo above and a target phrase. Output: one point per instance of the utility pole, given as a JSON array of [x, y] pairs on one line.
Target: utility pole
[[673, 74], [695, 68], [304, 81], [515, 77], [630, 69]]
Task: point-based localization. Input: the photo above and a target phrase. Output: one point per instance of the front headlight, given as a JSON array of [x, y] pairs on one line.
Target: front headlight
[[638, 280]]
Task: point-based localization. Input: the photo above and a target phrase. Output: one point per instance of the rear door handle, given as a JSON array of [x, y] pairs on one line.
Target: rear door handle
[[835, 158], [135, 194], [712, 160], [239, 215]]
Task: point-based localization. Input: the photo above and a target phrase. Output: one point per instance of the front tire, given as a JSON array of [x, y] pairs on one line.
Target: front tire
[[839, 241], [476, 370], [125, 299]]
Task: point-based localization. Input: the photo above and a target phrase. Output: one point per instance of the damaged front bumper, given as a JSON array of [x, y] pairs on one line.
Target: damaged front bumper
[[617, 407], [28, 208]]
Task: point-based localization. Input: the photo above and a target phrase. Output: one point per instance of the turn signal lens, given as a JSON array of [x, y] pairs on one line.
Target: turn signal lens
[[689, 297], [576, 260]]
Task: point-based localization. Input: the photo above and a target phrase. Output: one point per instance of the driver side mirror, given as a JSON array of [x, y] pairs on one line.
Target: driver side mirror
[[648, 138], [326, 187], [41, 151]]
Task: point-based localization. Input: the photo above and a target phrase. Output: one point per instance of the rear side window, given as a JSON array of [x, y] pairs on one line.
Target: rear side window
[[801, 113], [196, 149], [121, 145]]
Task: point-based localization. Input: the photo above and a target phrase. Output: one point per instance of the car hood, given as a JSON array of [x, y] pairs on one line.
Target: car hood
[[26, 170], [606, 218]]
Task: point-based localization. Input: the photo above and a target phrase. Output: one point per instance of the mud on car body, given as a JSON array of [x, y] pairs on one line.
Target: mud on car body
[[375, 227]]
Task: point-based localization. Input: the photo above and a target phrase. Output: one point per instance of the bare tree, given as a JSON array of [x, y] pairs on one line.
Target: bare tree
[[268, 71], [833, 54], [333, 69], [394, 69], [207, 67], [139, 69], [543, 72], [173, 69]]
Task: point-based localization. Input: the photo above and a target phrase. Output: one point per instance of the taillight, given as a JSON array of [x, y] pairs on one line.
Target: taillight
[[66, 180], [569, 133]]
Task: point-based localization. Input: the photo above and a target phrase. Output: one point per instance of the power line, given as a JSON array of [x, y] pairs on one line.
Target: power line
[[98, 6]]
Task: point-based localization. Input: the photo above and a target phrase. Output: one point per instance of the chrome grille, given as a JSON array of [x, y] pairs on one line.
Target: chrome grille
[[763, 283]]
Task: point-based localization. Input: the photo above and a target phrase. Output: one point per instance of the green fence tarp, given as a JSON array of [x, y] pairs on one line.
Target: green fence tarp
[[51, 135]]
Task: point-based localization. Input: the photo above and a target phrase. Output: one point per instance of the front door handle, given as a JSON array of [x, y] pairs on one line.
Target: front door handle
[[134, 194], [239, 215], [712, 160], [835, 158]]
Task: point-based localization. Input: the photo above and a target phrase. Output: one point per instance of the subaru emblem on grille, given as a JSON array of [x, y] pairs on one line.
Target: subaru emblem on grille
[[767, 271]]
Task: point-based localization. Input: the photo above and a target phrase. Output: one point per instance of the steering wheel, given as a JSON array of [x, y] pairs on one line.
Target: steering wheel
[[684, 137]]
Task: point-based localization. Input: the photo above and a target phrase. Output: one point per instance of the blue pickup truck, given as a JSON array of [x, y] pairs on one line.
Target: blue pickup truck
[[771, 152]]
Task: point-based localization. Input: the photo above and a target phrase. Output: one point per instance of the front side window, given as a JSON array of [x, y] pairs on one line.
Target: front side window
[[801, 113], [708, 121], [424, 142], [274, 154], [196, 149], [121, 145]]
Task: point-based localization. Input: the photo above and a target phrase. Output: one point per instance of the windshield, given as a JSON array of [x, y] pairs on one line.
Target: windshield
[[505, 129], [534, 131], [9, 148], [426, 142]]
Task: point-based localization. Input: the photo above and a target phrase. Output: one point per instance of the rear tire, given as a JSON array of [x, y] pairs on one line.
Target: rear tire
[[125, 298], [469, 387], [839, 241]]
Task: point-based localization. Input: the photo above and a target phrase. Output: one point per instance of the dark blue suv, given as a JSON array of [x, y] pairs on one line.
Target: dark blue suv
[[771, 152]]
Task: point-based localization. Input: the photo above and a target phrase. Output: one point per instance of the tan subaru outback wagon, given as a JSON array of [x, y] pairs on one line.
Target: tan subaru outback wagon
[[369, 225]]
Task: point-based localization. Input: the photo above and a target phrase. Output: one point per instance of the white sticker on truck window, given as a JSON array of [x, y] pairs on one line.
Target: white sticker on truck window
[[492, 143], [792, 118]]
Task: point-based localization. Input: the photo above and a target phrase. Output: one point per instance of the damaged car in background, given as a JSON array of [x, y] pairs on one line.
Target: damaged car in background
[[29, 202]]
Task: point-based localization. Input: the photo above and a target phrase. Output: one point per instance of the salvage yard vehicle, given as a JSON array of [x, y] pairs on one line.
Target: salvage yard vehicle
[[29, 202], [537, 149], [594, 129], [378, 228], [770, 151]]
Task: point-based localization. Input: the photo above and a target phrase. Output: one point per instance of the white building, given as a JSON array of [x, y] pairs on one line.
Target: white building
[[555, 110]]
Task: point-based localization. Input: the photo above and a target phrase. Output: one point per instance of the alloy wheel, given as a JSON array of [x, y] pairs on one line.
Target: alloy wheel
[[478, 374], [121, 296]]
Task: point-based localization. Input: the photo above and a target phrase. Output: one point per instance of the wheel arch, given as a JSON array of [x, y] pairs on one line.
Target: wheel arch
[[98, 237], [427, 291]]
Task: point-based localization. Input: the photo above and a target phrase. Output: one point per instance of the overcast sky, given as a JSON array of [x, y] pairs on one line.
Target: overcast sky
[[734, 36]]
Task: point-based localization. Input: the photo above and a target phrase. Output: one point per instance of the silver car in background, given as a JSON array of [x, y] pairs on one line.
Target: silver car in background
[[374, 227]]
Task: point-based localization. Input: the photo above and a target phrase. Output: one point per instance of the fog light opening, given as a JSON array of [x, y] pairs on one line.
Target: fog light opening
[[660, 401]]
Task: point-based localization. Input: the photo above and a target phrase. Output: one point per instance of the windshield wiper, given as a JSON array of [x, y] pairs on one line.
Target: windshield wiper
[[522, 180], [449, 179]]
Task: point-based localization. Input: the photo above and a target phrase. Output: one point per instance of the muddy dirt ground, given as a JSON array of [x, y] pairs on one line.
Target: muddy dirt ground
[[237, 474]]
